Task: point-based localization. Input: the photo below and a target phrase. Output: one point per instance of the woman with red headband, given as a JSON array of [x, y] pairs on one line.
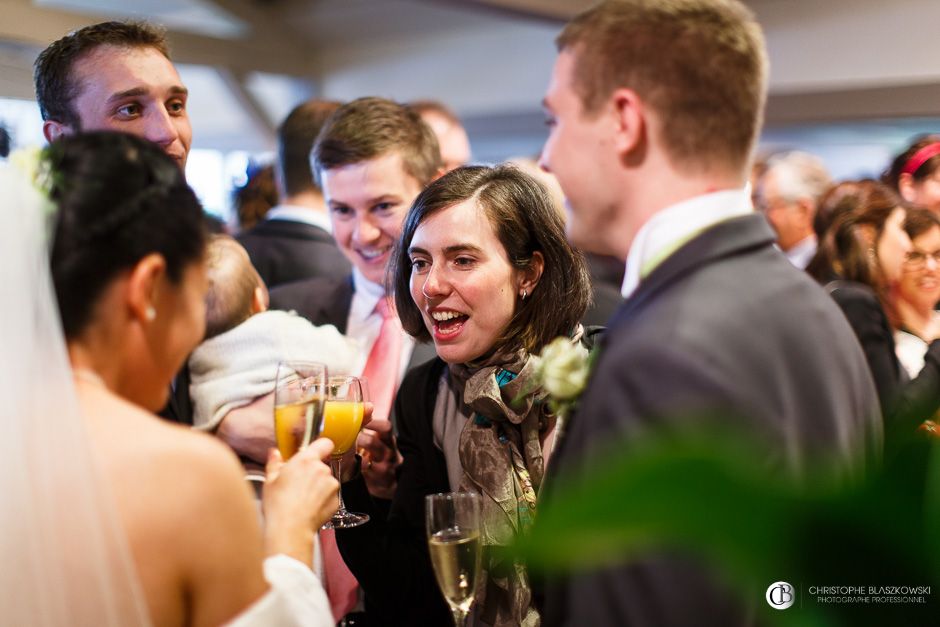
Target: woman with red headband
[[915, 173]]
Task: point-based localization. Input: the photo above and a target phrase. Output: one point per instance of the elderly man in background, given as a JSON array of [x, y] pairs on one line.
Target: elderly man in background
[[788, 193]]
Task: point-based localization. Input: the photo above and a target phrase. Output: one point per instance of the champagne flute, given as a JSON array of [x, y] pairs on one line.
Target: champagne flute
[[298, 404], [342, 420], [453, 526]]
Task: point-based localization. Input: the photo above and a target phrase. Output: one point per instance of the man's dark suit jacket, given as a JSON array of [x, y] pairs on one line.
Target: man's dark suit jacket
[[724, 327], [284, 250]]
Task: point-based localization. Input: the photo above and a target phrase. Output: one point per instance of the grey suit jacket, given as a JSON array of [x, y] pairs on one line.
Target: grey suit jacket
[[725, 327]]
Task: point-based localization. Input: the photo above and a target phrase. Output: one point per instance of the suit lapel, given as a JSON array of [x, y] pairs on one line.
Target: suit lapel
[[727, 238]]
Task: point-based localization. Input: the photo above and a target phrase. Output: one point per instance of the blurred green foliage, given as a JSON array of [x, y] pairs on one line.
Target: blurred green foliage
[[713, 496]]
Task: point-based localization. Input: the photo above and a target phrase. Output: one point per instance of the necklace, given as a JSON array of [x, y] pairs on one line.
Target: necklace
[[88, 376]]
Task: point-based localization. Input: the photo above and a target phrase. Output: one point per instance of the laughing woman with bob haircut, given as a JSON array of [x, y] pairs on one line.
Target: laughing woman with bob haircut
[[483, 270]]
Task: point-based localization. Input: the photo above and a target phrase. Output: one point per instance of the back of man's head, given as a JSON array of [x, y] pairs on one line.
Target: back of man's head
[[368, 128], [52, 73], [233, 282], [296, 136], [799, 175], [700, 65]]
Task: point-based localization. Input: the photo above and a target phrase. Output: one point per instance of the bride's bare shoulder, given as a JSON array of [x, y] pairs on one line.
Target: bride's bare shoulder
[[185, 506], [134, 438]]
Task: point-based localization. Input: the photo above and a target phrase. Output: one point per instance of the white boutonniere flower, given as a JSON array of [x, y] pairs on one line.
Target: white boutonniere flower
[[563, 368]]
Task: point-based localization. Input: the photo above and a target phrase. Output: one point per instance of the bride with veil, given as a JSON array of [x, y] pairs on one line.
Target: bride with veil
[[112, 517]]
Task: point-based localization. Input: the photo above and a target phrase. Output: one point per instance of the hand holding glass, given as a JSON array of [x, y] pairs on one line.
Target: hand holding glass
[[298, 405], [454, 541]]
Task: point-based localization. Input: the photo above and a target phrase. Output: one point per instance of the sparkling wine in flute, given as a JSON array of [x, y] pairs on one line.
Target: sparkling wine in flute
[[455, 555], [299, 390], [454, 542]]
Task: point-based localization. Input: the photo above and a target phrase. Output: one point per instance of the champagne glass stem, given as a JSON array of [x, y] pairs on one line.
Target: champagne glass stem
[[460, 617], [336, 467]]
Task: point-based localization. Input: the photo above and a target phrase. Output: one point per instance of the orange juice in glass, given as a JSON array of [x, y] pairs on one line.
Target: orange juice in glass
[[342, 421], [342, 418]]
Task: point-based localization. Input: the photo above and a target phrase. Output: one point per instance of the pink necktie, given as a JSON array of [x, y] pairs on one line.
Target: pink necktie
[[384, 362], [342, 589]]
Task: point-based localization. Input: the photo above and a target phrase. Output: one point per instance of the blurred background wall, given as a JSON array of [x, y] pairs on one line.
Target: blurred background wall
[[851, 80]]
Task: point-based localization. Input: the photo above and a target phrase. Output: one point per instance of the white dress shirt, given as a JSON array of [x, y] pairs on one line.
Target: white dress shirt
[[675, 225], [364, 323], [802, 252], [297, 213]]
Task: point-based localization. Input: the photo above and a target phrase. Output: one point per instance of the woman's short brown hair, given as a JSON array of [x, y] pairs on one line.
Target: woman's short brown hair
[[525, 222]]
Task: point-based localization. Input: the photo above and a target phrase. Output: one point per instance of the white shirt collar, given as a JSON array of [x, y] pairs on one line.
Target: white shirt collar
[[298, 213], [367, 293], [679, 222], [802, 252]]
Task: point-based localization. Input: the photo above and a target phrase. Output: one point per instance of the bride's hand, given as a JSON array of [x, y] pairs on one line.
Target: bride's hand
[[299, 496]]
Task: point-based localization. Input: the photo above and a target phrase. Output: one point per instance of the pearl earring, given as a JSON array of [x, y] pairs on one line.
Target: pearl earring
[[150, 314]]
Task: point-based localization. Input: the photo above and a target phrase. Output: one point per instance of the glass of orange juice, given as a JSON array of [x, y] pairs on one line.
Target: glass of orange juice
[[342, 419]]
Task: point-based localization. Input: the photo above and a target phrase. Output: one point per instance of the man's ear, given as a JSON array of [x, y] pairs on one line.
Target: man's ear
[[143, 287], [53, 130], [629, 119]]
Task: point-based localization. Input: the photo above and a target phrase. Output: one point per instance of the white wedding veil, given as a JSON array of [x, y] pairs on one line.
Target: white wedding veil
[[64, 558]]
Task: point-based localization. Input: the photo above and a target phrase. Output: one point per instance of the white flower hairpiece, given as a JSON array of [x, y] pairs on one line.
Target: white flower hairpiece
[[38, 172]]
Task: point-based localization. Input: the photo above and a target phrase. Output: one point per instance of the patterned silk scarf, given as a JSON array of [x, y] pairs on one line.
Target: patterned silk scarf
[[501, 454]]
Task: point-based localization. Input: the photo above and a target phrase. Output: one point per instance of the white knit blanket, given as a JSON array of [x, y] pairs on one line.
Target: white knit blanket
[[238, 366]]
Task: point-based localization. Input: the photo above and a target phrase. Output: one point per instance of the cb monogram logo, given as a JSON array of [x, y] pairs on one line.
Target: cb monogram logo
[[780, 595]]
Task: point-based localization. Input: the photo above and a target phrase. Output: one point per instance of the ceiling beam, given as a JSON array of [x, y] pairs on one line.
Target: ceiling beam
[[36, 26], [236, 84], [556, 11]]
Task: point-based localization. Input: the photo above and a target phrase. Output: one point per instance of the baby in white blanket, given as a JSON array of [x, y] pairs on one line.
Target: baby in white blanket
[[233, 371]]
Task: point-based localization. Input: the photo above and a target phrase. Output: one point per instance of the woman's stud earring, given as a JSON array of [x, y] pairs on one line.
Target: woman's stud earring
[[150, 314]]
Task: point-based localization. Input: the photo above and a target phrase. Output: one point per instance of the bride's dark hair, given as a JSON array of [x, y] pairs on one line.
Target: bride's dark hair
[[118, 198]]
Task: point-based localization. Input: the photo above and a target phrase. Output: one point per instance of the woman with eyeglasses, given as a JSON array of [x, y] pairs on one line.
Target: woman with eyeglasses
[[918, 291], [866, 249]]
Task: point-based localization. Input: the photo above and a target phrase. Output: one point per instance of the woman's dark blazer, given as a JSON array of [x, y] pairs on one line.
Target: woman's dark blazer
[[389, 554], [903, 401]]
